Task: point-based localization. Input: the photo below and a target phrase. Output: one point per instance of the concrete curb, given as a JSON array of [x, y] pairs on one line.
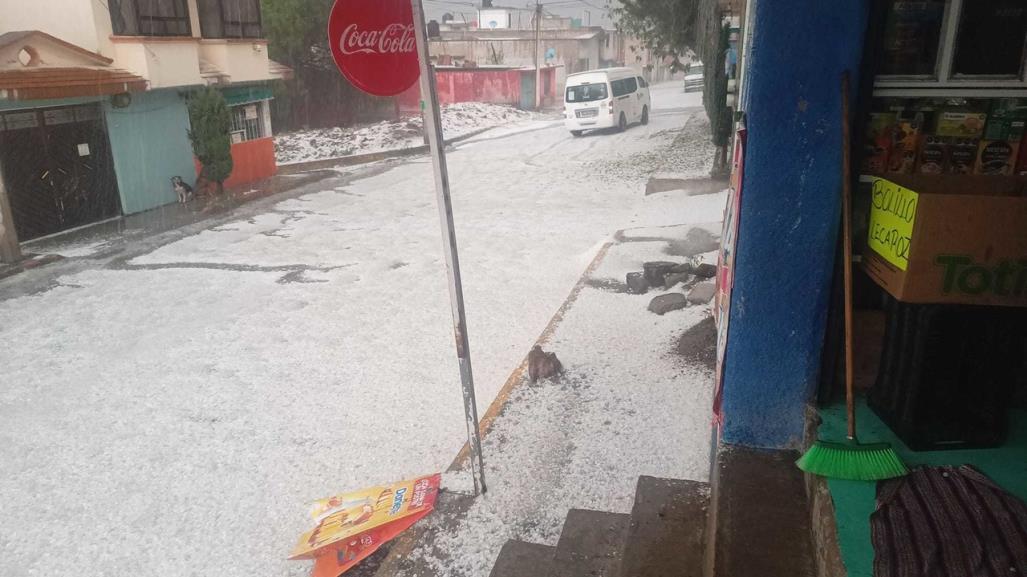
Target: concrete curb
[[399, 549], [517, 376], [355, 159]]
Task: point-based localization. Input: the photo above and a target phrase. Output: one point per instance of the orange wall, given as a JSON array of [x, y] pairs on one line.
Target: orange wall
[[252, 160]]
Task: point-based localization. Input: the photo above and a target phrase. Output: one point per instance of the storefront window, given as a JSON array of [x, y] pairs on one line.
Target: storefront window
[[150, 17], [991, 38], [912, 33], [230, 18]]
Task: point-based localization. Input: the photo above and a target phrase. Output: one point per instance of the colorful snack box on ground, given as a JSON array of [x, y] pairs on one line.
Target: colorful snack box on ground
[[878, 142], [934, 155]]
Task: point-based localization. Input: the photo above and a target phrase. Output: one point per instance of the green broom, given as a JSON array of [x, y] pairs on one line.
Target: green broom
[[850, 459]]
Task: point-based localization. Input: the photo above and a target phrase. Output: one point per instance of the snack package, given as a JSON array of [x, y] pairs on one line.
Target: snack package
[[934, 155], [878, 142], [961, 124], [905, 141], [996, 157], [962, 156]]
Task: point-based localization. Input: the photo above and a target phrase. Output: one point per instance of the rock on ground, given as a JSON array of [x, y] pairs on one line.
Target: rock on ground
[[637, 283], [702, 293], [663, 304]]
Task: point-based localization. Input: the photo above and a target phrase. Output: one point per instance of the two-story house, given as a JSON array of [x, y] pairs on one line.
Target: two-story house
[[94, 102]]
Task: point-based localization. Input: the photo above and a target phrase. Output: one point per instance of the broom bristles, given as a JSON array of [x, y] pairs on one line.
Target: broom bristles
[[852, 461]]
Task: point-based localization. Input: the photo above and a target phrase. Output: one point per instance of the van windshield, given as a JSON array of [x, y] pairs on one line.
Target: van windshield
[[586, 92]]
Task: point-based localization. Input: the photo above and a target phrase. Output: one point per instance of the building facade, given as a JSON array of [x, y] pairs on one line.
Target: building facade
[[101, 89]]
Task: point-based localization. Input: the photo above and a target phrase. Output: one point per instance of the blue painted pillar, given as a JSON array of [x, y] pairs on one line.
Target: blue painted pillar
[[789, 218]]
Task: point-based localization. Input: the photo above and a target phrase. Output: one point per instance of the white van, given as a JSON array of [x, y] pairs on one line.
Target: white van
[[607, 98]]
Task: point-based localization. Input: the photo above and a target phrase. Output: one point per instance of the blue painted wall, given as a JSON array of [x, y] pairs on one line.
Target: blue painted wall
[[789, 216], [150, 145]]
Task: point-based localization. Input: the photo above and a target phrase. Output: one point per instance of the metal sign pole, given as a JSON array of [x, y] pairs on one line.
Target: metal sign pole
[[433, 128]]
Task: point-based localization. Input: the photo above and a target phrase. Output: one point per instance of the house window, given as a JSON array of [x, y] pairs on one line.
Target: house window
[[990, 41], [150, 17], [230, 18], [974, 46], [248, 122]]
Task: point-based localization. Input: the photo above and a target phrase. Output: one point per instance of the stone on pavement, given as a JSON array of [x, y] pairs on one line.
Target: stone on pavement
[[674, 278], [669, 302], [706, 270], [702, 293], [656, 270], [637, 284]]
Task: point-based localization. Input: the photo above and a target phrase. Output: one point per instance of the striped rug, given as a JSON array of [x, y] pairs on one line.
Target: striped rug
[[948, 522]]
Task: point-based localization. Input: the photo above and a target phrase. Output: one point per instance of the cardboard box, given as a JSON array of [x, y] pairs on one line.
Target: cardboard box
[[957, 239]]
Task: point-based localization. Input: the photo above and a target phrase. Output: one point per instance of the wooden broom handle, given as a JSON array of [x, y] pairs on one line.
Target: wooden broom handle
[[850, 397]]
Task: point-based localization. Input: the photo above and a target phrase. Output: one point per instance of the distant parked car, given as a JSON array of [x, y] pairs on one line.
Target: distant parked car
[[694, 78]]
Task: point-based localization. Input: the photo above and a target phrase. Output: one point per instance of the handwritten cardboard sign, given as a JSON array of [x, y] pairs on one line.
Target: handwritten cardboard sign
[[892, 216]]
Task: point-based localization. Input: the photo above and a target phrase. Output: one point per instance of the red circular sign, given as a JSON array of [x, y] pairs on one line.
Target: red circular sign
[[373, 44]]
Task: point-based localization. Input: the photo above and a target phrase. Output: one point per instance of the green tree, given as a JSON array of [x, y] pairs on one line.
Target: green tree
[[667, 27], [296, 29], [211, 124]]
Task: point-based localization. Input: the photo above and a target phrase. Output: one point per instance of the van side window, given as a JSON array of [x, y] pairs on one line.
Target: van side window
[[622, 87], [642, 82]]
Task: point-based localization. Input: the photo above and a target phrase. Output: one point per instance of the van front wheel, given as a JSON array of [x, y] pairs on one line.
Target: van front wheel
[[645, 115], [576, 133], [622, 123]]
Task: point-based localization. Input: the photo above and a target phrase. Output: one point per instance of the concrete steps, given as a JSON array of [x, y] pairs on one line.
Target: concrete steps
[[591, 544], [757, 523], [668, 527], [518, 558], [662, 537], [762, 518]]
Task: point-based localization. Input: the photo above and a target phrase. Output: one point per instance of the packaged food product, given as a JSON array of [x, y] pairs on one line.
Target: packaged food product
[[878, 142], [961, 124], [933, 155], [962, 156]]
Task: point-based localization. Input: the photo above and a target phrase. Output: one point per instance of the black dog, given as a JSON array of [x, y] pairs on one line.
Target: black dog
[[183, 190]]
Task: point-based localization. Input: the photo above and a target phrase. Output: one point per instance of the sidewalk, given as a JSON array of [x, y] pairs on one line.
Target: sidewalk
[[635, 399], [116, 232]]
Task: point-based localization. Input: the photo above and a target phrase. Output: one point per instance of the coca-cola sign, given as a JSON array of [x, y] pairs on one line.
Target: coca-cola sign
[[373, 45]]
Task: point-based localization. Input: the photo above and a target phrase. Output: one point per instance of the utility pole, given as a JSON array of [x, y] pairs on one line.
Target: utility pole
[[538, 54], [10, 251], [433, 128]]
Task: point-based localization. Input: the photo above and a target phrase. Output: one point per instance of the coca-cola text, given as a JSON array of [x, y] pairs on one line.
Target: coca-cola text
[[394, 39]]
